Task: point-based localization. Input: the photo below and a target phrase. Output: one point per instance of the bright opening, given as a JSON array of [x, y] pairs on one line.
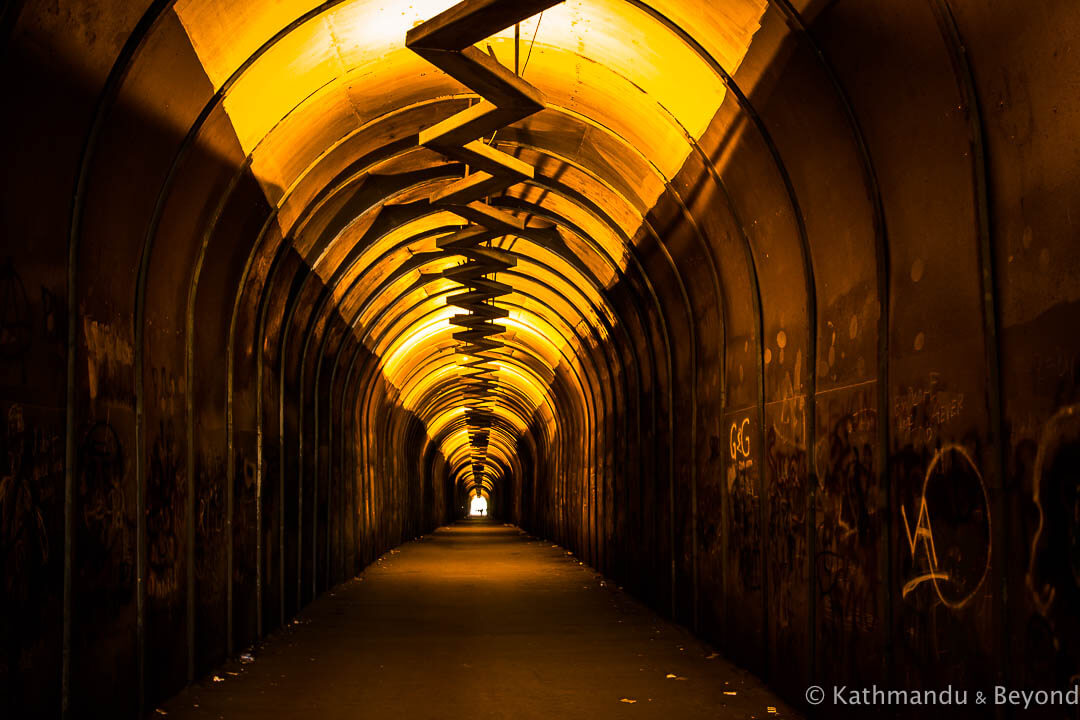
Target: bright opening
[[478, 507]]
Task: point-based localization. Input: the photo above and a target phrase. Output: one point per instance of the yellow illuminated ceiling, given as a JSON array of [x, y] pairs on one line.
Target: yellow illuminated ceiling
[[603, 59], [330, 83]]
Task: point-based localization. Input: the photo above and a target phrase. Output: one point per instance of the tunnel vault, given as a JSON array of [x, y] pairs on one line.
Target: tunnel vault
[[764, 309]]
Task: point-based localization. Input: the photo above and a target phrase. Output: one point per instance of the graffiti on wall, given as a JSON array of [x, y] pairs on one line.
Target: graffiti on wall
[[109, 355], [106, 556], [210, 529], [165, 490], [53, 321], [31, 502], [785, 528], [923, 409], [744, 506], [848, 526], [15, 317], [1054, 556], [947, 530], [790, 424], [32, 461], [1047, 455]]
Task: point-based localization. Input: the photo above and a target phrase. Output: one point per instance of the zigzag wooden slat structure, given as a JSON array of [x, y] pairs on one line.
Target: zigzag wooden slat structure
[[448, 42]]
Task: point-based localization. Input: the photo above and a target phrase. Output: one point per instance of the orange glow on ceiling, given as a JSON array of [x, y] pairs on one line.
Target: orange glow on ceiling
[[602, 59], [626, 99]]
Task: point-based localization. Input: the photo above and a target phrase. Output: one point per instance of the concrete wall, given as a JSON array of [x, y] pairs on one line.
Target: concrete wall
[[199, 519], [833, 426], [854, 391]]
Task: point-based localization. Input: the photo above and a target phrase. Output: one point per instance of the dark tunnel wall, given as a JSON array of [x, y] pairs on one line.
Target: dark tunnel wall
[[826, 414], [193, 443]]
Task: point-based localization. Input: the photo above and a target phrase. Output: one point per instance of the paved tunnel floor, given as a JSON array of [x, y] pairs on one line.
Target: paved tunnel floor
[[478, 620]]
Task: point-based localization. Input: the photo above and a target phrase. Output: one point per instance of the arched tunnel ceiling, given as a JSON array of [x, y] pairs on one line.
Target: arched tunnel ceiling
[[327, 103], [789, 280], [338, 68]]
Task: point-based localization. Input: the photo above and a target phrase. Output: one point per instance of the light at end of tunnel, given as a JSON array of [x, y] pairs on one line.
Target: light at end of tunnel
[[478, 506]]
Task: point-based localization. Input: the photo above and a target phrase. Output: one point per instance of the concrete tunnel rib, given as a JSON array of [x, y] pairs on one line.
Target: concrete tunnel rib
[[791, 315]]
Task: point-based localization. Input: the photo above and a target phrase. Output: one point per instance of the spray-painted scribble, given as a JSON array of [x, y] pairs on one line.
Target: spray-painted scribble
[[1054, 557], [954, 554]]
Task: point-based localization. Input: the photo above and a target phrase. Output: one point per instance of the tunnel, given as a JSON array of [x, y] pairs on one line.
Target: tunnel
[[763, 315]]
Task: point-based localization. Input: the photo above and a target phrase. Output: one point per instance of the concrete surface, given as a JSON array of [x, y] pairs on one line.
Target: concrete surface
[[478, 620]]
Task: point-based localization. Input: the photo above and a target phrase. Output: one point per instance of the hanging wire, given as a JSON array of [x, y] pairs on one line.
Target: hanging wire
[[521, 74], [531, 43]]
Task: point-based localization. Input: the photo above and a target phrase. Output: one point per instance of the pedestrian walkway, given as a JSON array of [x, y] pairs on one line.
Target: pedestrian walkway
[[478, 620]]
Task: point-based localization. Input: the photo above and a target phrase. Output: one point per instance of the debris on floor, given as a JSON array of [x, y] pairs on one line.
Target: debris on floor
[[296, 668]]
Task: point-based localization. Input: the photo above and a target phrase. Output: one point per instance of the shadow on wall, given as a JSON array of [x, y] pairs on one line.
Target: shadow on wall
[[869, 461], [186, 493], [41, 146]]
